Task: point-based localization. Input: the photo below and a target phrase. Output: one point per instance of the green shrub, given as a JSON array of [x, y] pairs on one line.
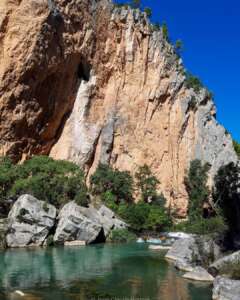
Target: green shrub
[[148, 12], [147, 183], [121, 236], [156, 26], [165, 31], [143, 216], [54, 181], [158, 219], [119, 184], [193, 82], [213, 225]]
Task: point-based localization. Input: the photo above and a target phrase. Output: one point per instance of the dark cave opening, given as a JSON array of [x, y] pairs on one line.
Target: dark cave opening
[[84, 71]]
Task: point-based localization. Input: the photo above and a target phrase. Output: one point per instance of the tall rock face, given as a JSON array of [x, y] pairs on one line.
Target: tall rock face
[[84, 81]]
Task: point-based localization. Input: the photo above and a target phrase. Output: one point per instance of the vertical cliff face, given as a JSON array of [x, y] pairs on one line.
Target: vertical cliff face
[[87, 82]]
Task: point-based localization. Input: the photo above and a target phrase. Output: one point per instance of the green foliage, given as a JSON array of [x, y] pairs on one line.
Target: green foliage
[[121, 236], [196, 185], [158, 219], [178, 47], [165, 31], [213, 225], [148, 12], [8, 174], [143, 216], [147, 183], [226, 195], [54, 181], [156, 26], [193, 82], [119, 184], [236, 146]]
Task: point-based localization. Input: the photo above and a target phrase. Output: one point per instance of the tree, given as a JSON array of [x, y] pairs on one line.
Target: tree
[[148, 12], [227, 196], [193, 82], [147, 183], [108, 180], [165, 31], [196, 185], [54, 181]]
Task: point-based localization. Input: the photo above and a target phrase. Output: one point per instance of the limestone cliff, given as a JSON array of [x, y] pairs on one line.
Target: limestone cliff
[[84, 81]]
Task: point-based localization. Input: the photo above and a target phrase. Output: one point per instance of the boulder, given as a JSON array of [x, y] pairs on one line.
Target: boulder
[[199, 274], [184, 252], [85, 223], [109, 220], [78, 223], [226, 289], [193, 251], [29, 222], [226, 265]]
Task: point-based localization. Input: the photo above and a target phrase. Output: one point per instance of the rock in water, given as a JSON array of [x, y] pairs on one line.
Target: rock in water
[[226, 264], [199, 274], [77, 223], [226, 289], [29, 222], [195, 250], [85, 224]]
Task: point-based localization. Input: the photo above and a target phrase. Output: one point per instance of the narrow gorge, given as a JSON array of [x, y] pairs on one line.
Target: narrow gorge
[[90, 82]]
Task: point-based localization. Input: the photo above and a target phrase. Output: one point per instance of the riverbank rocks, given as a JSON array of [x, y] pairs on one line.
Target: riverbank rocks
[[85, 224], [226, 289], [29, 222], [199, 274], [193, 251], [226, 265]]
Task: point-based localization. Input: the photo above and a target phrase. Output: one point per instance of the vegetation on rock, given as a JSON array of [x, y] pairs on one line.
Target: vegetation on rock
[[236, 146]]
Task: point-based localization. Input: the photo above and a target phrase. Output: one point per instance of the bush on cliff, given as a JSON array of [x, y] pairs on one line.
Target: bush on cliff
[[54, 181], [108, 182], [236, 146]]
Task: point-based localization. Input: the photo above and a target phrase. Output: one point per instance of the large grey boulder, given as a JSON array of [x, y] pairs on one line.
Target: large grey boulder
[[109, 220], [184, 252], [226, 289], [29, 222], [85, 223], [77, 223], [226, 265], [199, 274], [193, 251]]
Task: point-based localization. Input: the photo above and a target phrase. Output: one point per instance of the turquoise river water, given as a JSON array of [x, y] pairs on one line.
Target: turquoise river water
[[121, 272]]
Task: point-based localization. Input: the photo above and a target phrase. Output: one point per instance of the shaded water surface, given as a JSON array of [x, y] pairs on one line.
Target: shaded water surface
[[128, 271]]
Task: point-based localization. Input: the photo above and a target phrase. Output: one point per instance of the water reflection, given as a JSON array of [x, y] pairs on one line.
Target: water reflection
[[100, 271]]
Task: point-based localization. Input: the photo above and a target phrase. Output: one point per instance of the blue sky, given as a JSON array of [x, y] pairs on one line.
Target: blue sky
[[210, 31]]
